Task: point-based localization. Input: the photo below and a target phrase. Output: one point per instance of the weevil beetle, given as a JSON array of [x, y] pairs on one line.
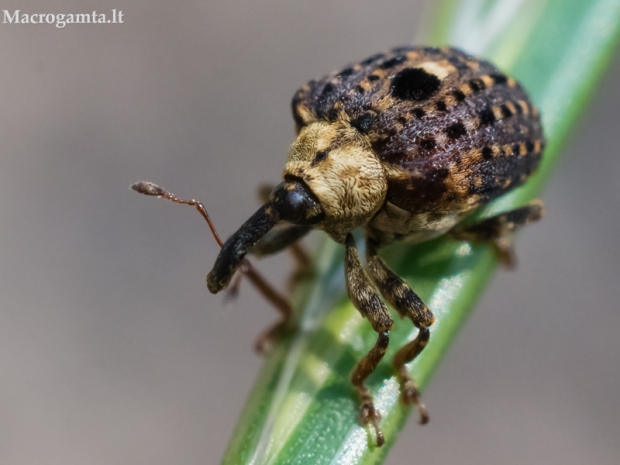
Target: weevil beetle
[[405, 144]]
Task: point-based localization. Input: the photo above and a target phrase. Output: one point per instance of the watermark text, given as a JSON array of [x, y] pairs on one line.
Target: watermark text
[[61, 20]]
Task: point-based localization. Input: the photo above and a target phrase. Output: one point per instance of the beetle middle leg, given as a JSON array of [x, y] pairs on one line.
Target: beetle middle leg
[[407, 303], [366, 299], [497, 229]]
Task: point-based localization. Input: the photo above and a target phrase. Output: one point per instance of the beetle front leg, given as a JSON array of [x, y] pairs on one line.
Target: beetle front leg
[[281, 237], [276, 240], [407, 303], [366, 299], [497, 230]]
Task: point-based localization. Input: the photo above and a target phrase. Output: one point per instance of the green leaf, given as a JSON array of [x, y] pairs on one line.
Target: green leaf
[[303, 408]]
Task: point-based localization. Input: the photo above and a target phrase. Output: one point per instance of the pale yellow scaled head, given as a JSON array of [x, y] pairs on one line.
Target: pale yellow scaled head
[[338, 165]]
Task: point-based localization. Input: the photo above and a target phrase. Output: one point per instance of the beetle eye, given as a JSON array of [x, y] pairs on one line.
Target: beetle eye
[[296, 203], [319, 157]]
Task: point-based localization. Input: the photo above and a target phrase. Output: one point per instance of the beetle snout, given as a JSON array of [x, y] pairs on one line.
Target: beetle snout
[[296, 203]]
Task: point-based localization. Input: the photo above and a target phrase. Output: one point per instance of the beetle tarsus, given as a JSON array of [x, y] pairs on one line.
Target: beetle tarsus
[[411, 396], [370, 415], [268, 338]]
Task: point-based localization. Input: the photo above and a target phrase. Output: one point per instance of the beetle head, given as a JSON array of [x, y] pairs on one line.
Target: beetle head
[[336, 166]]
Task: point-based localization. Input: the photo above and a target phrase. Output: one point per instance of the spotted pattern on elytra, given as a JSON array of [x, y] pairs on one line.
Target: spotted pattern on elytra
[[438, 117]]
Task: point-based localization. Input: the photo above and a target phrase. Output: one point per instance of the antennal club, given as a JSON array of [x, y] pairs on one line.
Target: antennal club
[[150, 188]]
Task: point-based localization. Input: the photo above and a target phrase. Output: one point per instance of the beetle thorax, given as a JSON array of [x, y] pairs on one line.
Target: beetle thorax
[[338, 165]]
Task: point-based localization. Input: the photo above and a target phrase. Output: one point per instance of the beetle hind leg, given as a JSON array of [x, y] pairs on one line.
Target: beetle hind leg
[[497, 230], [366, 299], [287, 236], [407, 303]]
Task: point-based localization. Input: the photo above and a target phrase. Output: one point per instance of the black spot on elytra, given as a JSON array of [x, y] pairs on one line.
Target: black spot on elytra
[[319, 157], [419, 112], [324, 106], [487, 153], [359, 89], [328, 89], [441, 106], [373, 77], [403, 49], [414, 84], [372, 59], [529, 145], [515, 149], [363, 123], [456, 130], [402, 120], [332, 114], [397, 60], [346, 72], [499, 79], [460, 65], [458, 95], [474, 85], [487, 117], [428, 144], [506, 111]]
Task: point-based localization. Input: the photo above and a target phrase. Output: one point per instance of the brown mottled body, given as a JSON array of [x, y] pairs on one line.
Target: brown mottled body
[[451, 132], [404, 144]]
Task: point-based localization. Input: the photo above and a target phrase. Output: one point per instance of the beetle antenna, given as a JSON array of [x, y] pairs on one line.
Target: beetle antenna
[[150, 188], [280, 302]]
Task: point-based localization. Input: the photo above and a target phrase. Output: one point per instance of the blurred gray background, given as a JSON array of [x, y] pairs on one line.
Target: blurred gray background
[[112, 351]]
